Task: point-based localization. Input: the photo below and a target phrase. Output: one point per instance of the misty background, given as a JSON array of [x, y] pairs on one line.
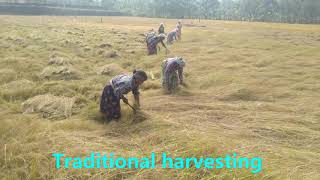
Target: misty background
[[289, 11]]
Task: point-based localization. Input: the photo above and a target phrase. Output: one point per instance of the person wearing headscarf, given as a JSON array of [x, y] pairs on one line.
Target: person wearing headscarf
[[152, 43], [172, 73], [116, 89], [161, 29], [179, 27], [172, 36]]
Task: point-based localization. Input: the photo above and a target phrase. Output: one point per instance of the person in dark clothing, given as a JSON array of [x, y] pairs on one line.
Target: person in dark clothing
[[172, 73], [161, 29], [172, 36], [116, 89], [153, 41]]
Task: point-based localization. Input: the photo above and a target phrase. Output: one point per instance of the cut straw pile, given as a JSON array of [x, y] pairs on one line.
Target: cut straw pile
[[49, 106]]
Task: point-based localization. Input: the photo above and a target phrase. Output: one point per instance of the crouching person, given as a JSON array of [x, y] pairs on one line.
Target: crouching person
[[152, 43], [172, 36], [172, 73], [116, 89]]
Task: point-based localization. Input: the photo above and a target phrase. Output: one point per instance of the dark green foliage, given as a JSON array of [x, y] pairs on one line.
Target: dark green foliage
[[290, 11]]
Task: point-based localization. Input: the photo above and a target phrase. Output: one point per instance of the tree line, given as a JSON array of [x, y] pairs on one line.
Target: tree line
[[289, 11]]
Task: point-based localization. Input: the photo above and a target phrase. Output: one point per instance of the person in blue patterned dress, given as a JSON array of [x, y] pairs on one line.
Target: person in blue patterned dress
[[153, 41], [172, 36], [172, 73], [116, 89]]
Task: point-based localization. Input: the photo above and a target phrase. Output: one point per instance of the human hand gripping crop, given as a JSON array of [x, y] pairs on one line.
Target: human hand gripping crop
[[125, 100], [137, 102]]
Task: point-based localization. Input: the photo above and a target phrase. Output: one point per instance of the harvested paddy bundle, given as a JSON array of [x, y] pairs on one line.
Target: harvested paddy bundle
[[60, 73], [7, 75], [58, 60], [111, 69], [49, 106]]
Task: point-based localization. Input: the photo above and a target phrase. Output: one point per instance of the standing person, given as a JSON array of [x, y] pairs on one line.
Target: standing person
[[116, 89], [179, 27], [161, 28], [172, 36], [170, 77], [153, 42]]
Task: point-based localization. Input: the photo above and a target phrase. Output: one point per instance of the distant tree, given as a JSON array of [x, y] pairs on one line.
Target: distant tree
[[249, 9], [208, 8], [291, 11], [229, 10], [191, 9], [312, 11], [108, 4], [269, 10]]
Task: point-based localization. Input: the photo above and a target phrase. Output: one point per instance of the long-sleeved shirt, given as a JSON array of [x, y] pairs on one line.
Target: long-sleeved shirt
[[123, 84]]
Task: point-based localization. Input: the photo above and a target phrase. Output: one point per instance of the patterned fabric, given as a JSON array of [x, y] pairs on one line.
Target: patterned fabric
[[149, 36], [172, 36], [170, 76], [152, 44], [123, 84], [179, 27], [110, 104]]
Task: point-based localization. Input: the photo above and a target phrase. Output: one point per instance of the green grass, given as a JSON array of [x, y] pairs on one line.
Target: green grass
[[253, 89]]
